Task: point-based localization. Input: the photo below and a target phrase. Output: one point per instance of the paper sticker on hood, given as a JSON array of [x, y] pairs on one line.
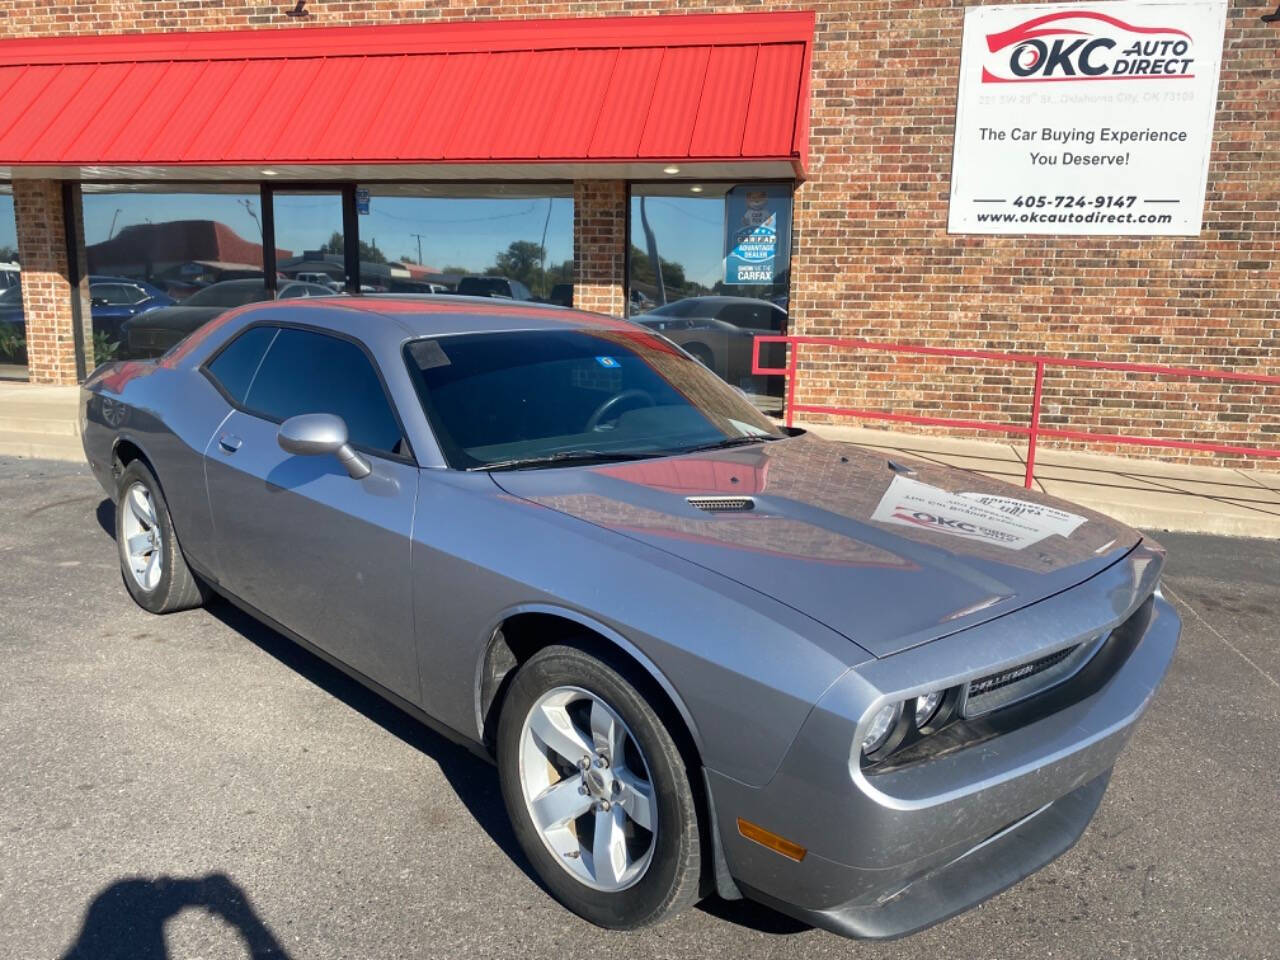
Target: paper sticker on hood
[[1003, 521]]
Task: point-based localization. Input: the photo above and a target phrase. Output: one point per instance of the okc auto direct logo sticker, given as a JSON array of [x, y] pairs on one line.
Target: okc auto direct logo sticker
[[1083, 45]]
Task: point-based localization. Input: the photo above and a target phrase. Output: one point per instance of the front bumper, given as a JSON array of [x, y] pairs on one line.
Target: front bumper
[[893, 853]]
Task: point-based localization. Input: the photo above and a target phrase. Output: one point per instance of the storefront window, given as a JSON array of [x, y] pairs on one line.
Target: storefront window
[[154, 246], [507, 241], [13, 328], [724, 255], [309, 223]]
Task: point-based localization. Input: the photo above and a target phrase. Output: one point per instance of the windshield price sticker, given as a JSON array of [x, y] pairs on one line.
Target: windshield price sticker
[[1093, 119]]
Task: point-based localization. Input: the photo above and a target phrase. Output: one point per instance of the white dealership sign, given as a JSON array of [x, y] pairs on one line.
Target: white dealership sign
[[1091, 118]]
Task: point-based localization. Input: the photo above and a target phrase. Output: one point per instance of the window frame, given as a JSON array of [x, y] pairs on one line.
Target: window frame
[[409, 458]]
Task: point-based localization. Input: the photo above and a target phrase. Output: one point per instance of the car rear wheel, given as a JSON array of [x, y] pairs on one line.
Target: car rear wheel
[[597, 791], [154, 570]]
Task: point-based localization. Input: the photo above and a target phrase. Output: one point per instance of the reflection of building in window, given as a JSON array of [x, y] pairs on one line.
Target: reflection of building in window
[[175, 253]]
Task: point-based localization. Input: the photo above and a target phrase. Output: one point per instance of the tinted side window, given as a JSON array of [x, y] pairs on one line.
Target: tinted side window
[[306, 372], [235, 366]]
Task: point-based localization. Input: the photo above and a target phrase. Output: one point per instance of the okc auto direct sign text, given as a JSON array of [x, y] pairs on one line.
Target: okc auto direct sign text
[[1051, 46], [1093, 119]]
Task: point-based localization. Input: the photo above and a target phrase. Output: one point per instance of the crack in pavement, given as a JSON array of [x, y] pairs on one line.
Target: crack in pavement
[[1212, 629]]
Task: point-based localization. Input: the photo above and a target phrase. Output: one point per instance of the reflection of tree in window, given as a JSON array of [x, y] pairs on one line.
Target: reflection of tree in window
[[526, 240], [368, 252]]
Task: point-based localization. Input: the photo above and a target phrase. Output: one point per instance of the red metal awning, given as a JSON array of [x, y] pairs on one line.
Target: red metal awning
[[727, 88]]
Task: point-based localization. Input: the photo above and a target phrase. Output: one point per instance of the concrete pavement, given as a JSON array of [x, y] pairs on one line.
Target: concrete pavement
[[198, 786]]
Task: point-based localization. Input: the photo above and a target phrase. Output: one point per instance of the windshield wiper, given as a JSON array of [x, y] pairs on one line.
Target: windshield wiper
[[729, 442], [566, 458]]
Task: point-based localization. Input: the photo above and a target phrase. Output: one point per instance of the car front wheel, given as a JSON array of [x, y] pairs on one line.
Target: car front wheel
[[597, 791]]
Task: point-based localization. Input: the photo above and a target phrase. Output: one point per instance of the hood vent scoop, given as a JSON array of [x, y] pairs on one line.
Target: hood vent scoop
[[722, 504]]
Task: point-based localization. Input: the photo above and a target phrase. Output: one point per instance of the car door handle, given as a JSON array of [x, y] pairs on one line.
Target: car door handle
[[229, 443]]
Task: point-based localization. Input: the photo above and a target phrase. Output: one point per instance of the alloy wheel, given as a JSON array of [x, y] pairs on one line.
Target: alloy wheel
[[587, 789], [143, 545]]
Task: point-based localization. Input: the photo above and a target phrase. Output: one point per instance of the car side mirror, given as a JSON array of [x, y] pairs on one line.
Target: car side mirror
[[314, 434]]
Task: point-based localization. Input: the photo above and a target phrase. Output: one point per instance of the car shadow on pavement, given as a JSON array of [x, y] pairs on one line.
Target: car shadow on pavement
[[126, 920], [474, 780]]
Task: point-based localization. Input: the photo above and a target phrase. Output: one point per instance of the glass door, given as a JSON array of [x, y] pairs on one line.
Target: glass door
[[315, 240]]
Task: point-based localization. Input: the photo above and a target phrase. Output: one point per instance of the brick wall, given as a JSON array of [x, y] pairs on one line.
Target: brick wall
[[46, 293], [599, 245], [873, 257]]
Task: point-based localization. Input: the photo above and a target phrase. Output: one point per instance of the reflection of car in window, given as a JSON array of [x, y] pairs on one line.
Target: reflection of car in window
[[114, 300], [718, 331], [152, 333], [116, 294], [416, 286], [494, 287], [294, 291], [11, 305]]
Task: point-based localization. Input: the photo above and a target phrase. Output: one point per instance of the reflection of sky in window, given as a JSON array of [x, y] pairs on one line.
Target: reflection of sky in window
[[467, 232], [127, 209], [8, 232]]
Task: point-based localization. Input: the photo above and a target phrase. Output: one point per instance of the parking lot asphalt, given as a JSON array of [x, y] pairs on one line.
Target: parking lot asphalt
[[198, 786]]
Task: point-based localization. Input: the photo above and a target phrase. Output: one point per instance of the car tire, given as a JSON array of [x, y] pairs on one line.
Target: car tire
[[667, 858], [151, 562]]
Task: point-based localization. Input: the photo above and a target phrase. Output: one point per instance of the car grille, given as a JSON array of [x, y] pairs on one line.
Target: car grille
[[721, 504], [1008, 686]]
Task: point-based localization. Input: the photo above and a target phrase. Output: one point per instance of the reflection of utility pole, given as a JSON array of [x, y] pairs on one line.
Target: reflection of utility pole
[[652, 243], [419, 238], [248, 208], [542, 247], [113, 223]]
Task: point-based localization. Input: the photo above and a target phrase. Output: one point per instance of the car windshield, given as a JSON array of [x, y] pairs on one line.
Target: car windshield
[[227, 295], [553, 397]]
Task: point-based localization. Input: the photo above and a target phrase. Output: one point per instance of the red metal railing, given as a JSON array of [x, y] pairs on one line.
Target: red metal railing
[[1032, 430]]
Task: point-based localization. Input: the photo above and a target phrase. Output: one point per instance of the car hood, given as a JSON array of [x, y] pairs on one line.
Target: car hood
[[890, 553]]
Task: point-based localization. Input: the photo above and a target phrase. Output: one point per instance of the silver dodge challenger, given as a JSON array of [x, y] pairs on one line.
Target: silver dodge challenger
[[707, 654]]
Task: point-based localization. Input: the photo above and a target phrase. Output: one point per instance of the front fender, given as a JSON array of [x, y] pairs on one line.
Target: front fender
[[595, 626], [743, 669]]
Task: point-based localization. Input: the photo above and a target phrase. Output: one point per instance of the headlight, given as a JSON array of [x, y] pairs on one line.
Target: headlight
[[926, 713], [881, 726], [927, 706]]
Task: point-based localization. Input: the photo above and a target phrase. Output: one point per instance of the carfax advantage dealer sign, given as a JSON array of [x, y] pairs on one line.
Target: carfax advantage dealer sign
[[1092, 118]]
